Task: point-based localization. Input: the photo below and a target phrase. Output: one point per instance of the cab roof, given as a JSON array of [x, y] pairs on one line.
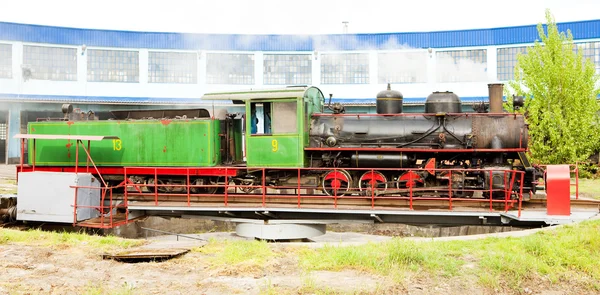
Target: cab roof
[[263, 93]]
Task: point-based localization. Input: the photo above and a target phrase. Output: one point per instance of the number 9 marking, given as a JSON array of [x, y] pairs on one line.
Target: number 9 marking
[[275, 145], [117, 144]]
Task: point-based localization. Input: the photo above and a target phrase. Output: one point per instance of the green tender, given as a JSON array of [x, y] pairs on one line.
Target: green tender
[[141, 143]]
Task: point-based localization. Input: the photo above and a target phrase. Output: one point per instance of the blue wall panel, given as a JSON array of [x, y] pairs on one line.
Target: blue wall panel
[[188, 41]]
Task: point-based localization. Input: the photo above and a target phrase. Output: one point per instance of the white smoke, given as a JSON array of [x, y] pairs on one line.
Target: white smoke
[[230, 68], [350, 56], [406, 66], [458, 66]]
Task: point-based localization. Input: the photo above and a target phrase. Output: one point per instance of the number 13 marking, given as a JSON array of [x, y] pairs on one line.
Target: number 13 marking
[[275, 145], [117, 144]]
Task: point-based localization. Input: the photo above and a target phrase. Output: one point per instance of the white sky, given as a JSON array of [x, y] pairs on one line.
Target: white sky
[[292, 17]]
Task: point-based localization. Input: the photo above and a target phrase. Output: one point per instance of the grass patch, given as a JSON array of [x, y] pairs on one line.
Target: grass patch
[[238, 257], [235, 252], [588, 188], [39, 237], [568, 254], [571, 252], [385, 258]]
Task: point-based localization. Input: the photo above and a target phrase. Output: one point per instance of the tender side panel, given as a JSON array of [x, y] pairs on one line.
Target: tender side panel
[[141, 143]]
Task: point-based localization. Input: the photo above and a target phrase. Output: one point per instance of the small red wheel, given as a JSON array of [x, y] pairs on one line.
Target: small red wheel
[[409, 179], [336, 182], [372, 180]]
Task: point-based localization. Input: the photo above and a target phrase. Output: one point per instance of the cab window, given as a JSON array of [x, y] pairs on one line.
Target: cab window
[[273, 118]]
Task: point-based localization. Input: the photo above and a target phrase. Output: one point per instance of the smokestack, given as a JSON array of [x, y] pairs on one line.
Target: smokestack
[[495, 93]]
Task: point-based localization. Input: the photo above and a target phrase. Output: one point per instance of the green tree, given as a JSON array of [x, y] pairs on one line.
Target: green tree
[[560, 90]]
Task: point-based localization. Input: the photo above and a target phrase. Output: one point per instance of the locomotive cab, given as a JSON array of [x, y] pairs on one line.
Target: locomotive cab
[[277, 124]]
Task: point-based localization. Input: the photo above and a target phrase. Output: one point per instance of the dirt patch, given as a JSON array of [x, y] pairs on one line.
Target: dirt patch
[[80, 270], [26, 269]]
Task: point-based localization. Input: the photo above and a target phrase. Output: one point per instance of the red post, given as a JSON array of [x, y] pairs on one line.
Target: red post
[[521, 192], [506, 192], [450, 187], [155, 187], [298, 187], [110, 207], [372, 189], [576, 181], [102, 206], [410, 190], [226, 186], [188, 185], [125, 181], [491, 189], [334, 190], [264, 188]]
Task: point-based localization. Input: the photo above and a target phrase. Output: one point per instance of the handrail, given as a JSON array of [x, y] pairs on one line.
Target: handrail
[[302, 195]]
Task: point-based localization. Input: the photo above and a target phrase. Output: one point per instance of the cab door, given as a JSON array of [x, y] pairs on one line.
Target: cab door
[[273, 134]]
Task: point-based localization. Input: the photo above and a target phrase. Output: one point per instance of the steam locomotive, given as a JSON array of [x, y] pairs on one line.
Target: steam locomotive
[[291, 137], [443, 137]]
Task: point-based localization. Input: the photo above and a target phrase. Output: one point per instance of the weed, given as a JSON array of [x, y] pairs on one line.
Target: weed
[[237, 257], [39, 237], [496, 262], [243, 251], [588, 188]]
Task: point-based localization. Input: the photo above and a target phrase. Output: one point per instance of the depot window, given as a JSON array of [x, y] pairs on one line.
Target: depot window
[[113, 66], [6, 61], [287, 69], [273, 118], [50, 63], [230, 68], [172, 67], [507, 59], [345, 68]]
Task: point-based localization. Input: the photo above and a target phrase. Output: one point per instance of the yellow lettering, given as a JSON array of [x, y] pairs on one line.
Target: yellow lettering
[[117, 144], [275, 145]]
